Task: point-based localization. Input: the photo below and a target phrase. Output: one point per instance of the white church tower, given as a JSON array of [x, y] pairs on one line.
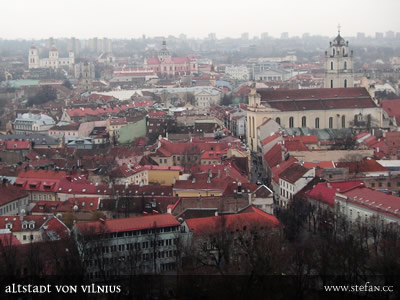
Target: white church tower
[[34, 62], [339, 64]]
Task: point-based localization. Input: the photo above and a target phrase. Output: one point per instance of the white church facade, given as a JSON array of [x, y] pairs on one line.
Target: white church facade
[[53, 61]]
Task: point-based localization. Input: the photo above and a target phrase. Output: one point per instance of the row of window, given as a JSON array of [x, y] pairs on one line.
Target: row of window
[[344, 65], [140, 232], [316, 122], [380, 184], [42, 197], [12, 206], [128, 258]]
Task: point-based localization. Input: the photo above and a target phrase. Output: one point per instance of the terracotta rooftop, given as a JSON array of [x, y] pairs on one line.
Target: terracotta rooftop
[[250, 219], [127, 224], [293, 173]]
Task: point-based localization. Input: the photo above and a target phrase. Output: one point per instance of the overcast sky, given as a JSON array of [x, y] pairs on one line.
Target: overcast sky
[[132, 18]]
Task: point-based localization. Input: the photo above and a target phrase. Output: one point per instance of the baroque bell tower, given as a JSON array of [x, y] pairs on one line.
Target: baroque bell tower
[[339, 64]]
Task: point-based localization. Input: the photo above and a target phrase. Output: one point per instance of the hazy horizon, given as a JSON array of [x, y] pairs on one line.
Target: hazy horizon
[[126, 19]]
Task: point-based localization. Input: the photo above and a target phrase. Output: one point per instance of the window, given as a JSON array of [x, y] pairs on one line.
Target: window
[[278, 120], [330, 122], [332, 64], [291, 122], [331, 84], [304, 122], [316, 122], [345, 83], [373, 184], [343, 121], [345, 63]]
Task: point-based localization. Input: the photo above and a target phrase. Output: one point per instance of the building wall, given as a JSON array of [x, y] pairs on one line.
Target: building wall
[[163, 177], [122, 248], [130, 132], [14, 208], [329, 155], [256, 118]]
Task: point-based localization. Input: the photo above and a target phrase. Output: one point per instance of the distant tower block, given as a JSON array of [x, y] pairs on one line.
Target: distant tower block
[[34, 62], [339, 64]]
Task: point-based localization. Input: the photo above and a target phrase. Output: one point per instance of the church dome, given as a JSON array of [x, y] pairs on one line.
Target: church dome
[[339, 41]]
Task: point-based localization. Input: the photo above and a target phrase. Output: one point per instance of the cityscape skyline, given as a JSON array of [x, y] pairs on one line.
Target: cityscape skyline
[[174, 18]]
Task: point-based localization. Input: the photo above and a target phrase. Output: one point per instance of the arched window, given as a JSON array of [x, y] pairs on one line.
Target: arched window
[[345, 83], [343, 51], [343, 121], [278, 120], [316, 122], [304, 121], [331, 65], [333, 52], [291, 122], [331, 84], [345, 65], [330, 122]]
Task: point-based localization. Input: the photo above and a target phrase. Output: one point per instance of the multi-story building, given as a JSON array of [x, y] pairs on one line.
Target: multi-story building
[[166, 65], [292, 180], [311, 108], [238, 72], [362, 204], [32, 123], [128, 246], [52, 62]]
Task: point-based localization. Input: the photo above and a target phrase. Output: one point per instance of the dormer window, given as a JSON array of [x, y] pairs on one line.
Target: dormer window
[[9, 226], [31, 226], [24, 226]]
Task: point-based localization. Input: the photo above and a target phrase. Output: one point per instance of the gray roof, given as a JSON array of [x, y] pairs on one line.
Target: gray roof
[[43, 139]]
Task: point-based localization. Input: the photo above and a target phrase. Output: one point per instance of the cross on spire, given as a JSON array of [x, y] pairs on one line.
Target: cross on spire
[[339, 29]]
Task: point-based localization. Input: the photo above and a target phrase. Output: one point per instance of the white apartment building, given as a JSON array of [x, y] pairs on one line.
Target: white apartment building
[[238, 72]]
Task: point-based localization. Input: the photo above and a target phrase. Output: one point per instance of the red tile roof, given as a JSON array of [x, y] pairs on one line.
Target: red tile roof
[[316, 99], [293, 173], [250, 219], [127, 224], [392, 107], [279, 168], [325, 192], [319, 164], [15, 144], [374, 200], [9, 193], [8, 239], [364, 166], [274, 156], [295, 146], [282, 94], [270, 139], [16, 221]]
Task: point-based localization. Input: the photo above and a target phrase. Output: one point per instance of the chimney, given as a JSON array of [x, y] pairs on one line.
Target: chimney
[[194, 180], [208, 180], [219, 173], [249, 194]]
